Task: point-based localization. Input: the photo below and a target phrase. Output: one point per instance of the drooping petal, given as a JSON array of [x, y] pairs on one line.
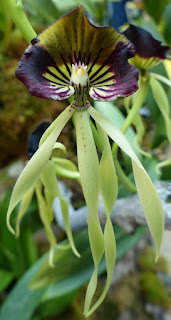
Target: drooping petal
[[38, 162], [149, 51], [115, 77], [46, 65], [39, 72], [89, 173], [149, 198]]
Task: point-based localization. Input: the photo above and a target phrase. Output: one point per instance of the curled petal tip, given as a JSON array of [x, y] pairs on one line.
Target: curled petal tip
[[149, 51]]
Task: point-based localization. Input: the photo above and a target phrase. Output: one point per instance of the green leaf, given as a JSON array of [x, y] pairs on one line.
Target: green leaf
[[89, 173], [45, 8], [155, 8], [4, 17], [5, 279], [163, 104], [37, 163], [148, 196], [22, 301], [167, 26]]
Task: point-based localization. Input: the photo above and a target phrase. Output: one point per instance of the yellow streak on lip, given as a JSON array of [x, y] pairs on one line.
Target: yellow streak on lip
[[82, 71]]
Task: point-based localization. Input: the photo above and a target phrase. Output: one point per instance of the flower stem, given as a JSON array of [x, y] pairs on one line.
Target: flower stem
[[141, 95], [167, 64], [123, 179], [96, 136], [16, 11]]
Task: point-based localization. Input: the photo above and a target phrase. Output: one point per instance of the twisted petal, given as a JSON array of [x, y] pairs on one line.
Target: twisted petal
[[46, 65], [149, 51]]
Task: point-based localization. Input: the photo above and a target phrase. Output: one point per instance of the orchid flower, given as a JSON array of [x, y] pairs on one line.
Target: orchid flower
[[72, 57], [149, 52]]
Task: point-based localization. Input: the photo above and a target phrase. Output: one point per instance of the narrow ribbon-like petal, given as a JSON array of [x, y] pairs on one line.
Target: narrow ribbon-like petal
[[37, 163], [148, 196], [89, 173], [50, 182]]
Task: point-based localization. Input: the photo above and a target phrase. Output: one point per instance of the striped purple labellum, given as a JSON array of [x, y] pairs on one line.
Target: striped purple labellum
[[74, 57]]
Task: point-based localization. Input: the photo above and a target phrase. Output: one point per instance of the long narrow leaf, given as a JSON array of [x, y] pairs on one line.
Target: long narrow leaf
[[51, 283]]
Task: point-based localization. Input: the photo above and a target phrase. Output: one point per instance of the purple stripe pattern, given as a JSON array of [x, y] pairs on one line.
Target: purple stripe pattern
[[46, 65]]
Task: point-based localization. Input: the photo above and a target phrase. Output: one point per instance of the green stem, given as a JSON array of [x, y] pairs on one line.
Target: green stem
[[96, 136], [123, 179], [141, 95], [16, 11]]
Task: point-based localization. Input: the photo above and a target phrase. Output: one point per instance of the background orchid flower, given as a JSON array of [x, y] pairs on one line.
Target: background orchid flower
[[74, 57], [150, 52]]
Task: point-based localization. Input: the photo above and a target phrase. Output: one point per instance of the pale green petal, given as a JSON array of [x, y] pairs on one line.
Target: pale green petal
[[49, 180], [162, 101], [59, 145], [37, 163], [161, 78], [110, 257], [89, 172], [109, 190], [46, 219], [151, 204], [23, 207], [67, 113], [148, 196], [49, 197], [108, 178], [66, 168]]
